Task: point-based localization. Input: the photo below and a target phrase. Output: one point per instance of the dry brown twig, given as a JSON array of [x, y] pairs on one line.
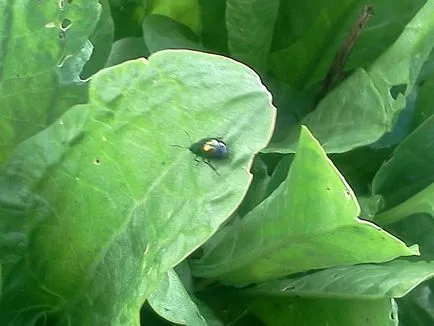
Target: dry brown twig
[[340, 59]]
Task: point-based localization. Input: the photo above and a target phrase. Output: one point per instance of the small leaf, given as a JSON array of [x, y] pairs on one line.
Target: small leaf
[[161, 32], [313, 311], [367, 281], [127, 49], [186, 12], [172, 302], [422, 202]]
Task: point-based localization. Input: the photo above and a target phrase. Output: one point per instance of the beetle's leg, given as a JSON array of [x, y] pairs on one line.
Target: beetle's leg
[[211, 166]]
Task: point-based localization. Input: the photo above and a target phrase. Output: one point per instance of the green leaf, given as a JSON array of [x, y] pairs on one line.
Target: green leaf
[[229, 309], [184, 273], [208, 314], [427, 72], [257, 189], [367, 281], [403, 125], [417, 308], [73, 90], [360, 165], [128, 18], [293, 106], [186, 12], [99, 206], [34, 52], [127, 49], [422, 202], [279, 174], [303, 35], [306, 41], [313, 312], [367, 104], [161, 32], [419, 228], [309, 222], [415, 154], [412, 192], [212, 18], [424, 102], [102, 39], [369, 206], [347, 118], [172, 302], [384, 27], [250, 26]]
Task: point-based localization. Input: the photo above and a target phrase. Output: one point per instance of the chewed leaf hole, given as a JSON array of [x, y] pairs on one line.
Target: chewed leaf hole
[[66, 23], [395, 90], [97, 161], [61, 60]]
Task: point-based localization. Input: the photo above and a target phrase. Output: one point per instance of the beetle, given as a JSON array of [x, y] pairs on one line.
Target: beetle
[[210, 148]]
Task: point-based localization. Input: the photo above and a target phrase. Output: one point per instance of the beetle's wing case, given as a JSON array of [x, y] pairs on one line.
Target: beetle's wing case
[[197, 147]]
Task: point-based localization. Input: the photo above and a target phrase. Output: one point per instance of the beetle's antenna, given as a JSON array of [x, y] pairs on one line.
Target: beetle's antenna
[[175, 145], [181, 146], [188, 135]]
